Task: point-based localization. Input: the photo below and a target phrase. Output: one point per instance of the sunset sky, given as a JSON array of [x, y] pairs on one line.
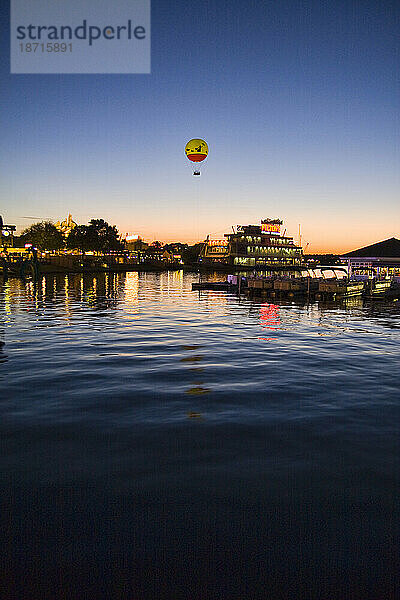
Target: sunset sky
[[298, 101]]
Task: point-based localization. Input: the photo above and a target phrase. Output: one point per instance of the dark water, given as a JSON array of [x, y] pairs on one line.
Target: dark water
[[158, 443]]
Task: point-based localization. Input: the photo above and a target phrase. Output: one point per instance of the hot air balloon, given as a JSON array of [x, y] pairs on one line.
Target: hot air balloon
[[196, 150]]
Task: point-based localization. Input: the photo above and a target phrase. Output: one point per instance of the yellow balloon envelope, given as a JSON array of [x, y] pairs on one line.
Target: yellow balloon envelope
[[196, 150]]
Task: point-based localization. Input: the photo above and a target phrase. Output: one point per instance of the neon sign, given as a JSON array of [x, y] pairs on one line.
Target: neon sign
[[217, 242], [270, 228]]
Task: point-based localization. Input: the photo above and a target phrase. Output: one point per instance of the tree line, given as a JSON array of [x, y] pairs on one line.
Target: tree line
[[98, 236]]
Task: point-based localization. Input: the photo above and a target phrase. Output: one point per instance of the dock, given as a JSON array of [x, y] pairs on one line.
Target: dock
[[325, 289], [306, 288], [223, 286]]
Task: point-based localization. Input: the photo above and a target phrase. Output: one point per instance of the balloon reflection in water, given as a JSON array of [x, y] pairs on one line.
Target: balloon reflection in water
[[269, 319]]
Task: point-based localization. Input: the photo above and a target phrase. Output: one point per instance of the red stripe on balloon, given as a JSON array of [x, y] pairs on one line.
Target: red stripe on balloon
[[196, 157]]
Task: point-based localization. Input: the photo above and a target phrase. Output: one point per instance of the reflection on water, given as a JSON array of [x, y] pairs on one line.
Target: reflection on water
[[269, 319], [164, 443], [3, 356]]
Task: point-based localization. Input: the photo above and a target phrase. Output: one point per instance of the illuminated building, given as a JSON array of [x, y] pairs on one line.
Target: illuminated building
[[6, 234], [134, 243], [255, 247], [377, 260], [66, 226]]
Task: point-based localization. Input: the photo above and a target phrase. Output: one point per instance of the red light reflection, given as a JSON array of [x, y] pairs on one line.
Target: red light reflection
[[269, 319]]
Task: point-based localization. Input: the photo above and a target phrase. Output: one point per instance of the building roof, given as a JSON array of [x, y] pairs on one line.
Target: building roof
[[388, 249]]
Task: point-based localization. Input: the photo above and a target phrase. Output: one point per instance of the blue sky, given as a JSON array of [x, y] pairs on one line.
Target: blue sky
[[299, 102]]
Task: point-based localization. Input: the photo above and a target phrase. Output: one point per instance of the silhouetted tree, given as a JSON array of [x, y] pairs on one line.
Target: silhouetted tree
[[98, 236], [176, 247], [104, 237], [43, 235], [78, 239], [156, 245]]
